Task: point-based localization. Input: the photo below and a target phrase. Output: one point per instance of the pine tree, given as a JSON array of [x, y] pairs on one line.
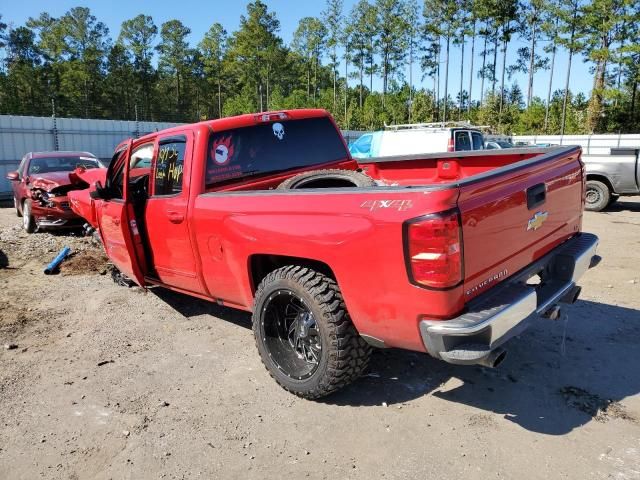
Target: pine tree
[[570, 33], [391, 40], [333, 19], [601, 22], [309, 41], [138, 35], [213, 47]]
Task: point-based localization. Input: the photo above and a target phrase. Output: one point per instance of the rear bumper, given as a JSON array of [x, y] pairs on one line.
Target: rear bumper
[[504, 311]]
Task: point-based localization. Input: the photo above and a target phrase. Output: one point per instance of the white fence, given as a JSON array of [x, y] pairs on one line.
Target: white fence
[[19, 135], [591, 144]]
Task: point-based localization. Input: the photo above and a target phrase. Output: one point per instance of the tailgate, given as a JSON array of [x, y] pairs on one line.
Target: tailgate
[[512, 216]]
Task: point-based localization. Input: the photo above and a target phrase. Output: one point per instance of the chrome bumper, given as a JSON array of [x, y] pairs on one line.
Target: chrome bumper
[[503, 312]]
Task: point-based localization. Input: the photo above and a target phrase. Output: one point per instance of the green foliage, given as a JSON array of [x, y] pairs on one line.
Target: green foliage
[[154, 73]]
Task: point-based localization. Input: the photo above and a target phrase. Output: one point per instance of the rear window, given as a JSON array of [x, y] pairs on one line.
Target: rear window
[[60, 164], [271, 148], [463, 141]]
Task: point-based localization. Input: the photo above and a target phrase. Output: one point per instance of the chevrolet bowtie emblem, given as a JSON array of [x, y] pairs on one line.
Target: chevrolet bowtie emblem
[[537, 220]]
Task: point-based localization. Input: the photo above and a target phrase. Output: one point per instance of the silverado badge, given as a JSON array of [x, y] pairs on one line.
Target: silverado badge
[[537, 220]]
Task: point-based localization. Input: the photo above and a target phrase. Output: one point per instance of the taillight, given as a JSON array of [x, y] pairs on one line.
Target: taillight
[[451, 146], [433, 250]]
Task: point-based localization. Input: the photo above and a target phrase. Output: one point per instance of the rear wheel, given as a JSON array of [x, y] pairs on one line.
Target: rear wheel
[[304, 334], [15, 205], [597, 196], [28, 222]]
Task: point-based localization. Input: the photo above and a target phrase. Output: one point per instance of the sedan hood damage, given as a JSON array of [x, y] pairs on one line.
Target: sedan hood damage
[[54, 182], [59, 183]]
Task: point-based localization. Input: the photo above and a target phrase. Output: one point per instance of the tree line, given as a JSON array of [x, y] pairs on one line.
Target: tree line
[[71, 65]]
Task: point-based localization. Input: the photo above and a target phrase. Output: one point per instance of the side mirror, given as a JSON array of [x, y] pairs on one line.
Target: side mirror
[[99, 193], [13, 176]]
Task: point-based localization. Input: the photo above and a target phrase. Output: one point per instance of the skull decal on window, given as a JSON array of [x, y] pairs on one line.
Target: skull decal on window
[[278, 130]]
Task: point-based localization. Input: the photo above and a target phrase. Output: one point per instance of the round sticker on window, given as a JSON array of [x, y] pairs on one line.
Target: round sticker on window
[[222, 151]]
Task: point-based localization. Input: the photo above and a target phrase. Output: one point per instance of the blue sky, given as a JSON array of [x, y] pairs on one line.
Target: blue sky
[[199, 15]]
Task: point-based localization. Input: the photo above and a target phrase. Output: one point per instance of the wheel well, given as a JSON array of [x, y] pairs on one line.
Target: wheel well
[[262, 264], [601, 178], [326, 183]]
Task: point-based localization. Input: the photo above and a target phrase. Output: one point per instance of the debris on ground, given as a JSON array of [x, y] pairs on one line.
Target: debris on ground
[[85, 262], [601, 409], [54, 266]]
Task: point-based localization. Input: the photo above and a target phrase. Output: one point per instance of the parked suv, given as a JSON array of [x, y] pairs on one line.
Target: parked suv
[[418, 138]]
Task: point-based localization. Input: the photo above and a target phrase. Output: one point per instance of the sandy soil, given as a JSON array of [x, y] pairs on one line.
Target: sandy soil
[[109, 382]]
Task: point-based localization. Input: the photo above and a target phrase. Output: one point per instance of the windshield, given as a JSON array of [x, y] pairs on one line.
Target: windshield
[[60, 164], [270, 148]]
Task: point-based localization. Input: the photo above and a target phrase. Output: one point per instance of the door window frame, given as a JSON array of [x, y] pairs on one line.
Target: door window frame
[[471, 134], [188, 152]]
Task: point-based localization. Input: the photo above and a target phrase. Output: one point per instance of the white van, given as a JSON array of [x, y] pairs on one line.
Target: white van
[[418, 138]]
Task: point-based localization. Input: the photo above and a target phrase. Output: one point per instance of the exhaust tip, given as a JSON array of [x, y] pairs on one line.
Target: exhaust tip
[[576, 294], [494, 358], [553, 313]]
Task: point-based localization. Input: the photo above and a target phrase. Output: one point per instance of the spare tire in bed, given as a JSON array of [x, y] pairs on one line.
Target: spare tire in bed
[[330, 178]]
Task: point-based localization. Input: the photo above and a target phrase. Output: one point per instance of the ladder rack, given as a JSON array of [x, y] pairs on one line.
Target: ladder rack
[[416, 126]]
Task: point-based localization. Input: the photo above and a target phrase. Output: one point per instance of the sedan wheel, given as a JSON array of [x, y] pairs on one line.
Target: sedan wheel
[[15, 205], [28, 222]]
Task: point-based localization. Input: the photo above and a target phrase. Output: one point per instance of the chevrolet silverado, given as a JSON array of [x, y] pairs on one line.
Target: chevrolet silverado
[[451, 254]]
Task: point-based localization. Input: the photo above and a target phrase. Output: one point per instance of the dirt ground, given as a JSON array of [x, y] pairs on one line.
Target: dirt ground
[[108, 382]]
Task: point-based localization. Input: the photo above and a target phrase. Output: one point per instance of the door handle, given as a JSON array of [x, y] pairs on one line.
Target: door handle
[[175, 217], [536, 195]]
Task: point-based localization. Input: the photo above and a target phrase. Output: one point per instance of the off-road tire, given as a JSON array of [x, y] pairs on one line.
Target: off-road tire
[[328, 178], [15, 204], [345, 355], [28, 222], [597, 196]]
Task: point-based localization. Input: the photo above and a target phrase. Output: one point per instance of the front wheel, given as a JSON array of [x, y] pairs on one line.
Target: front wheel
[[15, 205], [597, 196], [28, 222], [304, 334]]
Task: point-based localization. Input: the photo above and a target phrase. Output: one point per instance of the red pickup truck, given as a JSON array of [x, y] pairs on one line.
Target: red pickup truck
[[450, 254]]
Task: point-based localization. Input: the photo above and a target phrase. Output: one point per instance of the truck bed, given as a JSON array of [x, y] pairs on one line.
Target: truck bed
[[357, 232]]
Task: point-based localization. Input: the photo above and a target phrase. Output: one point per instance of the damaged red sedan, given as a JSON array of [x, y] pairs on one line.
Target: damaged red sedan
[[40, 187]]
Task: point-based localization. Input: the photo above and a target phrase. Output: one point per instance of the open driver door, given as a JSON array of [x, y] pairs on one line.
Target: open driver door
[[117, 220]]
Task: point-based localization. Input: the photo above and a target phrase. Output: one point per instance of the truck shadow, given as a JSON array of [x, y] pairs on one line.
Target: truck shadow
[[558, 375], [623, 205], [550, 383], [188, 306]]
